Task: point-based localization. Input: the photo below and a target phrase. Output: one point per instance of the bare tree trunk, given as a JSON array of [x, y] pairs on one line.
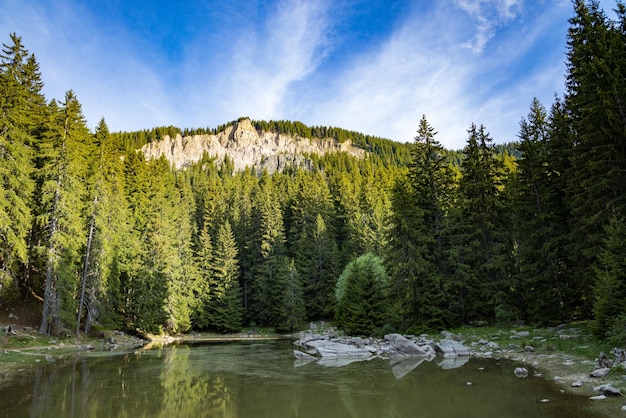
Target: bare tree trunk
[[49, 296], [85, 271]]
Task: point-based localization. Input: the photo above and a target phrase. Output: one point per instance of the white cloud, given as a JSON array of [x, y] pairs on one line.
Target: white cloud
[[487, 15], [265, 60], [281, 63]]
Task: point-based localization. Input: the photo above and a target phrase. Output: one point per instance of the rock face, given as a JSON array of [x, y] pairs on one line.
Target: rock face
[[246, 147]]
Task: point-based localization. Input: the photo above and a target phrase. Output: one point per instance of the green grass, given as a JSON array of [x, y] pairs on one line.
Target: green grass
[[574, 339]]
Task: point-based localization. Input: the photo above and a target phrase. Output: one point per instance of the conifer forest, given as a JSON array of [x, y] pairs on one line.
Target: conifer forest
[[412, 238]]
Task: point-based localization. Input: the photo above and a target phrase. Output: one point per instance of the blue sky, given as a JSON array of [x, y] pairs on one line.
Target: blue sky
[[370, 66]]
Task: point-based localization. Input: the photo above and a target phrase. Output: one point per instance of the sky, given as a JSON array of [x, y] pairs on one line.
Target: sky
[[370, 66]]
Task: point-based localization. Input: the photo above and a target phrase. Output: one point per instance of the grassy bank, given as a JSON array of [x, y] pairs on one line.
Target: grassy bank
[[564, 355]]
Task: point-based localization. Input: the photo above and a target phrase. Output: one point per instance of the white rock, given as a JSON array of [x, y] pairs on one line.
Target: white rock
[[597, 397], [608, 390], [600, 372], [404, 345], [332, 349], [520, 372], [577, 384]]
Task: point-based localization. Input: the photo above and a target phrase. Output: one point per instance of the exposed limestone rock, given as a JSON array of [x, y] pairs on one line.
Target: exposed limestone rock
[[451, 348], [404, 345], [327, 348], [246, 148]]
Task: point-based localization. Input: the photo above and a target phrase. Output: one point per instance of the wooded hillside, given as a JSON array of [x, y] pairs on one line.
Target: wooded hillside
[[428, 237]]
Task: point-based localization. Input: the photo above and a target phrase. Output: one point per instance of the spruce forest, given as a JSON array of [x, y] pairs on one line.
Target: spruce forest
[[411, 238]]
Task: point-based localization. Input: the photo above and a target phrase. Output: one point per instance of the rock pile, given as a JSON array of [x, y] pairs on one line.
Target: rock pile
[[404, 352]]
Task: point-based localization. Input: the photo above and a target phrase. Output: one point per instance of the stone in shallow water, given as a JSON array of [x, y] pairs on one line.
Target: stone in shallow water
[[520, 372]]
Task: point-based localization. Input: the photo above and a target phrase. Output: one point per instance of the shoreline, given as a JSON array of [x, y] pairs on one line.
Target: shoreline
[[562, 363]]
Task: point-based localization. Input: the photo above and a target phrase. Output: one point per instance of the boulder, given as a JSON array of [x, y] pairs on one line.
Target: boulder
[[608, 390], [451, 348], [600, 372], [404, 345], [299, 355], [326, 348], [520, 372]]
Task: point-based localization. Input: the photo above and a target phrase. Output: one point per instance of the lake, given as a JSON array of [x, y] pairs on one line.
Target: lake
[[262, 380]]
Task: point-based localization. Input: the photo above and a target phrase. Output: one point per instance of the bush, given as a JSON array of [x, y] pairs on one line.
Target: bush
[[361, 294]]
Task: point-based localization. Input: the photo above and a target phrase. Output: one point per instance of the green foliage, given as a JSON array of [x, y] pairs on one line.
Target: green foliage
[[362, 295], [610, 291], [224, 309], [528, 230]]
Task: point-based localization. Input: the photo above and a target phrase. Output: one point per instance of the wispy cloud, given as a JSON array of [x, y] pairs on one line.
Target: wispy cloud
[[487, 16], [456, 61], [265, 60]]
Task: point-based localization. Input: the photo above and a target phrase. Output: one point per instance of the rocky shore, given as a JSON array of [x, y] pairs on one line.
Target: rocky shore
[[531, 350]]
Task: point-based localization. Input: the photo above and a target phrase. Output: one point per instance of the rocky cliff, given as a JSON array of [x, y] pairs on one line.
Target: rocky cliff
[[246, 148]]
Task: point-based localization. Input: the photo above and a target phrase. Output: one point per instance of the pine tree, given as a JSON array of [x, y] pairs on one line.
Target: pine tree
[[67, 143], [416, 261], [610, 291], [224, 309], [362, 296], [21, 104], [269, 245], [289, 309], [311, 243], [479, 248], [595, 87]]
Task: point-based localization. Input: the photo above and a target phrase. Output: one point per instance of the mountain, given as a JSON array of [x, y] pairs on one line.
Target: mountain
[[247, 147]]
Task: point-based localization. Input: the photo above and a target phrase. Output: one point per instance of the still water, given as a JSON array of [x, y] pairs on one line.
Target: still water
[[262, 380]]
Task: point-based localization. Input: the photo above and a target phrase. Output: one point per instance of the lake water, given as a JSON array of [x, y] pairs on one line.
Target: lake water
[[262, 380]]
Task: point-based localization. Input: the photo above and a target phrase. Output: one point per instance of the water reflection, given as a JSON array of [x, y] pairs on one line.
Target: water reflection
[[262, 380]]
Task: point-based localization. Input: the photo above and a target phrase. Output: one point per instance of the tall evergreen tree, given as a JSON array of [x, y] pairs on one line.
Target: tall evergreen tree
[[312, 245], [595, 87], [288, 311], [416, 261], [64, 149], [225, 304], [21, 104], [269, 245], [610, 291], [478, 246]]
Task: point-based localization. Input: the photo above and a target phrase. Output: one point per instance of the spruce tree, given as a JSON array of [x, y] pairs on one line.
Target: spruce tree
[[417, 261], [595, 87], [362, 296], [63, 150], [21, 108], [610, 291], [224, 309], [478, 245]]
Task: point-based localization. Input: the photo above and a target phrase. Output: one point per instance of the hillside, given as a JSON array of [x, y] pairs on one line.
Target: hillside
[[247, 147]]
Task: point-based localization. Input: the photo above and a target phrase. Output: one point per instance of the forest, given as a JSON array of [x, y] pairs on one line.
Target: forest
[[413, 238]]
